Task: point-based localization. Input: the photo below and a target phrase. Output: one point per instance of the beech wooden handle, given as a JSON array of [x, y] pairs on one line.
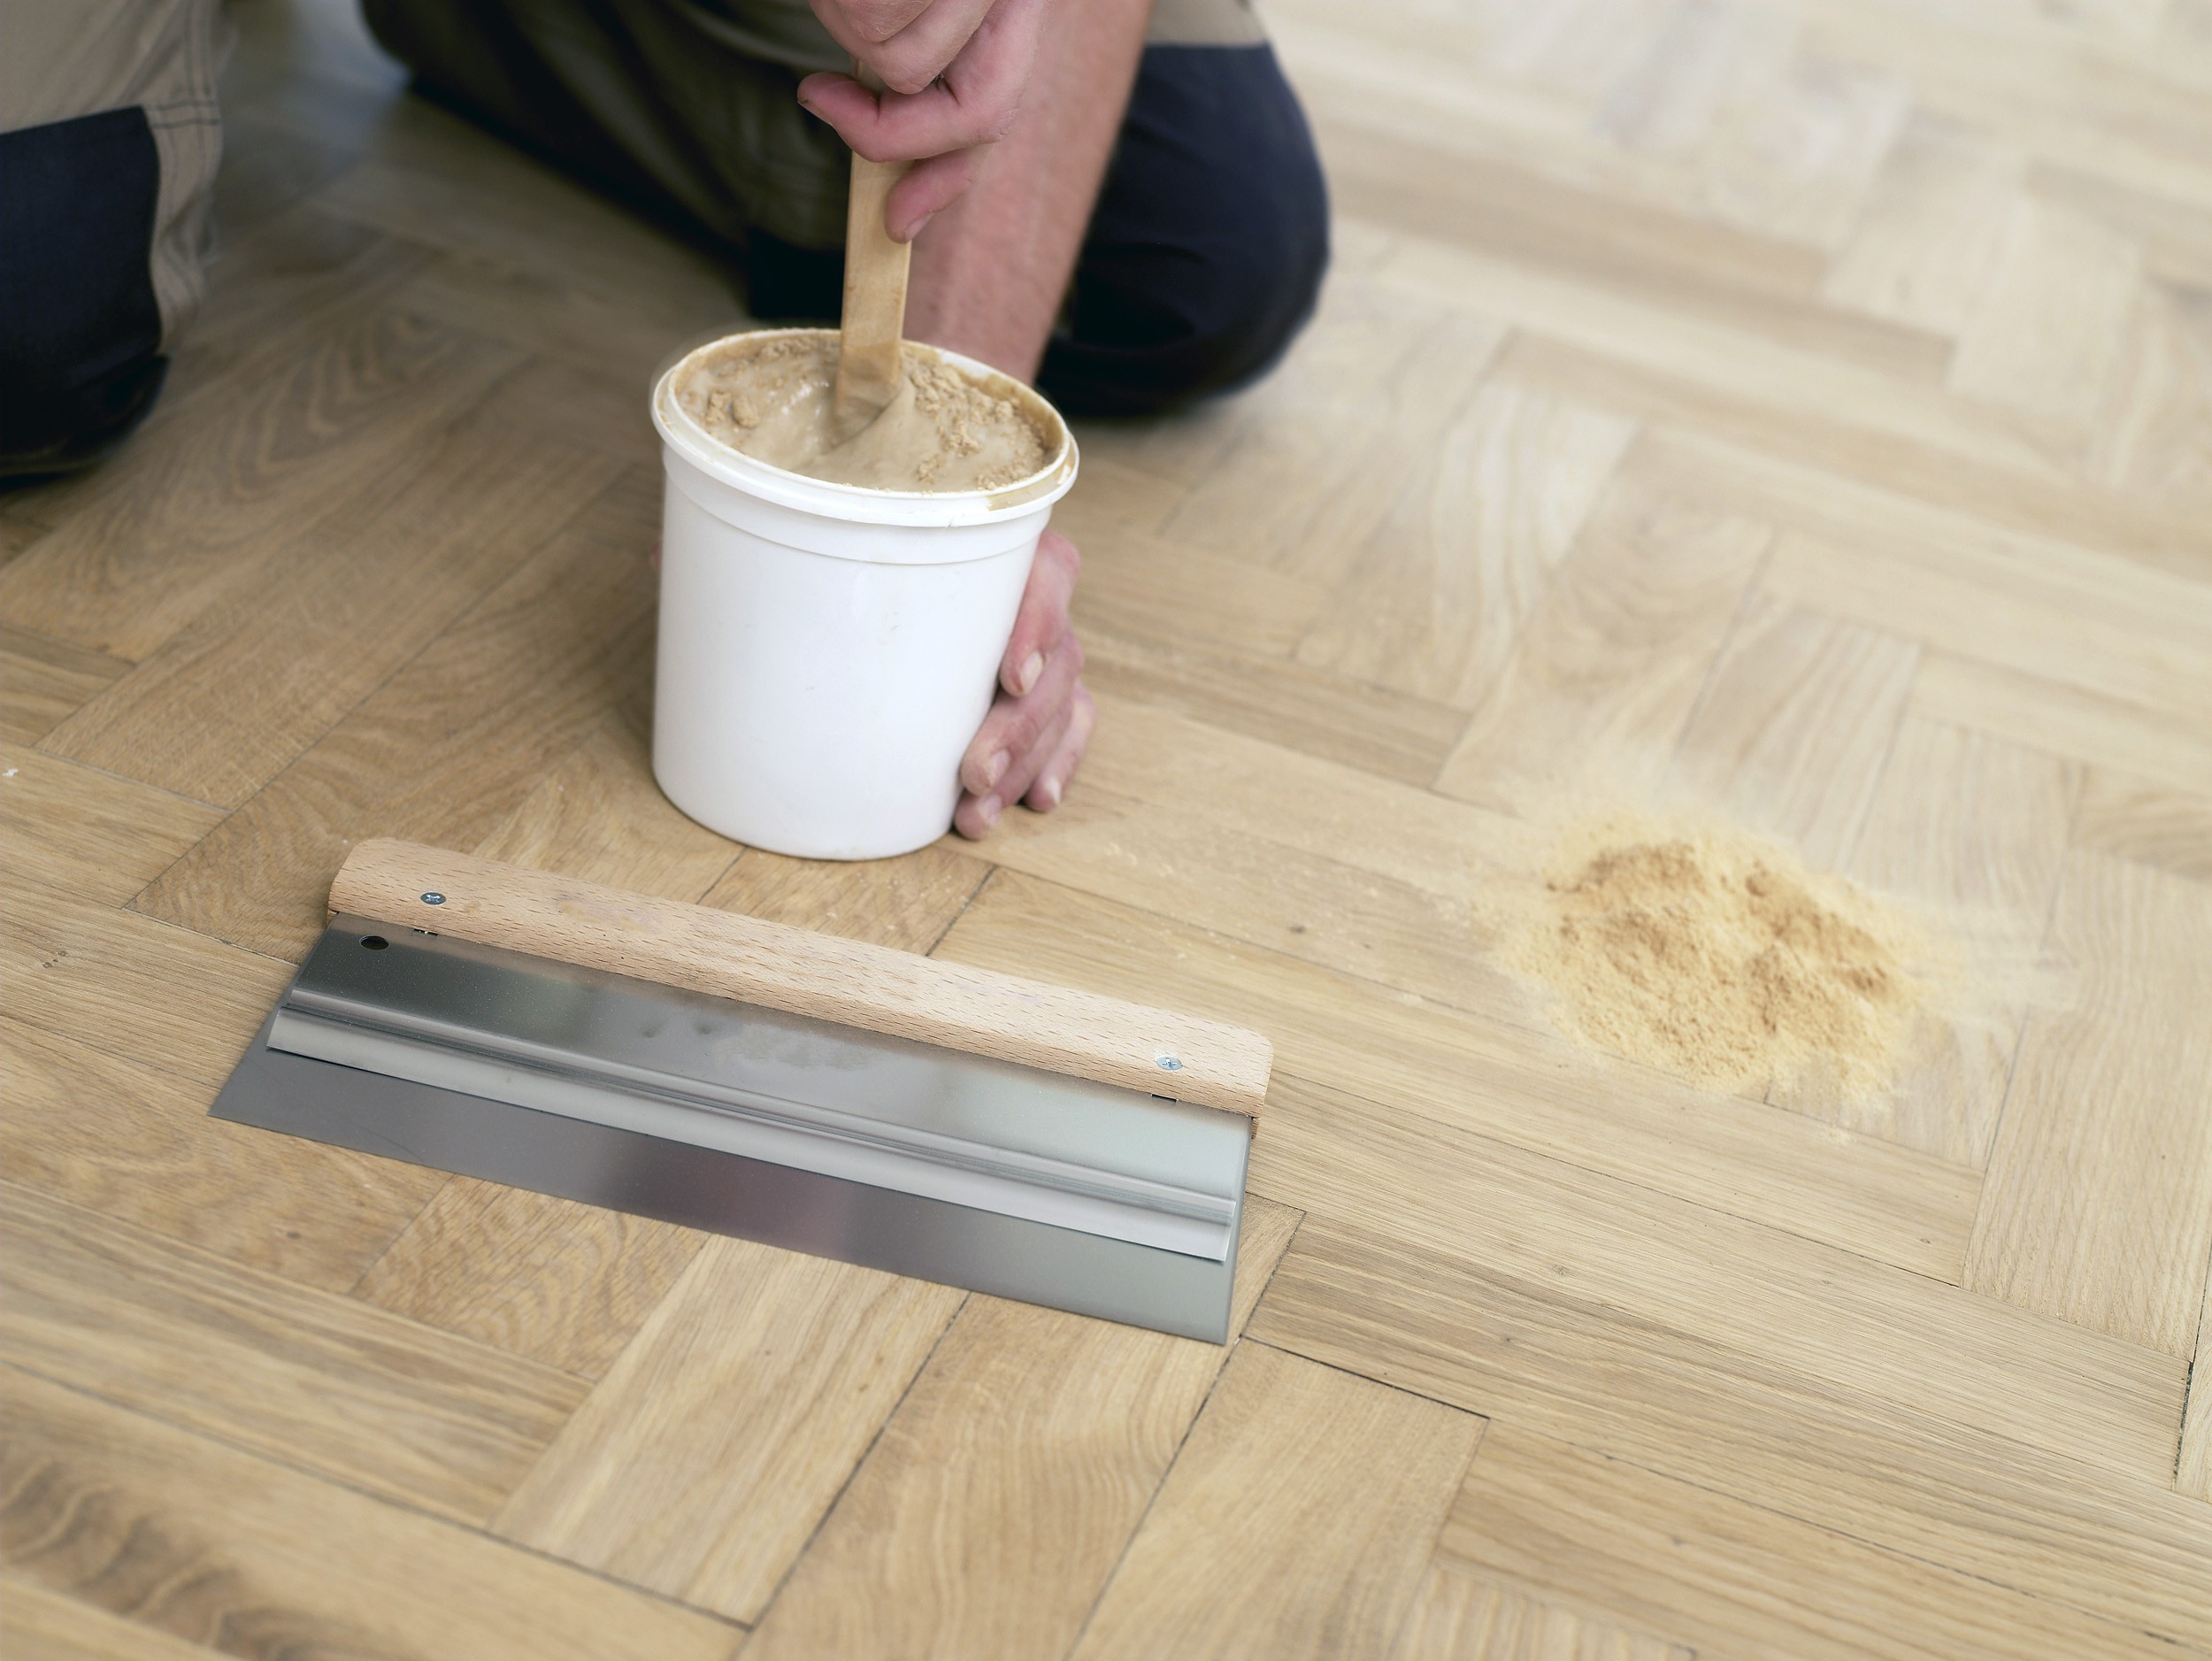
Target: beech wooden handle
[[869, 369], [801, 972]]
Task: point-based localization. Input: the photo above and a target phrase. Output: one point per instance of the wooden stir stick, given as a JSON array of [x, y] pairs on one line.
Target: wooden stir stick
[[868, 367]]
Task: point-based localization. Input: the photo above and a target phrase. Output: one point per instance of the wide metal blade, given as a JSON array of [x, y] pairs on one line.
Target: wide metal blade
[[748, 1121]]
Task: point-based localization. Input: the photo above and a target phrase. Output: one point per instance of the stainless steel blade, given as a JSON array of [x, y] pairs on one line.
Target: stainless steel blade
[[750, 1121]]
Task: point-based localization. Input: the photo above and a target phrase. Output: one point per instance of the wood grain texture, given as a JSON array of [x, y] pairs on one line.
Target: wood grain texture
[[1609, 668], [1537, 1352], [37, 1625], [1463, 1617], [907, 903], [377, 1403], [172, 527], [559, 1282], [106, 978], [1367, 727], [214, 1545], [803, 973], [1296, 1520], [1000, 1495], [2098, 1206], [135, 1143], [2193, 1464], [1969, 832], [868, 367], [2065, 720], [84, 832], [2145, 821], [44, 680], [1811, 1310], [607, 780], [1470, 544], [1799, 759], [443, 750], [256, 677], [1513, 1083], [771, 1370], [1681, 1561], [1909, 310]]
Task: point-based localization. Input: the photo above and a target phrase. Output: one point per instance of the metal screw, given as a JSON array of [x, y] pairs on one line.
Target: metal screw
[[1170, 1063], [434, 898]]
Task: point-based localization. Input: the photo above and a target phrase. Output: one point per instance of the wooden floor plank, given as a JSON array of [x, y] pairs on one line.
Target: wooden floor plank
[[2098, 1207], [2193, 1465], [1296, 1520], [559, 1282], [1463, 1616], [1932, 228], [37, 1625], [85, 832], [135, 1143], [375, 1401], [2041, 714], [1803, 462], [1002, 1493], [214, 1546], [2046, 332], [1969, 832], [1605, 674], [2133, 637], [444, 751], [1909, 310], [2148, 822], [1795, 724], [107, 977], [1371, 728], [1139, 582], [236, 694], [607, 780], [176, 524], [44, 680], [1321, 451], [1517, 1084], [771, 1370], [1444, 582], [1540, 1352], [1678, 1560], [909, 901], [1811, 1308]]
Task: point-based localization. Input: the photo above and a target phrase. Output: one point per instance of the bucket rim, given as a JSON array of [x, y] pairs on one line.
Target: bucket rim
[[683, 435]]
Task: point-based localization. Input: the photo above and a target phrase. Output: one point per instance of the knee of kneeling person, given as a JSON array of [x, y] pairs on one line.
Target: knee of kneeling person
[[1209, 243]]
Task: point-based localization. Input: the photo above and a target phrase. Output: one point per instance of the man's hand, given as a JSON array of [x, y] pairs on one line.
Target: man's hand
[[955, 71], [1034, 739]]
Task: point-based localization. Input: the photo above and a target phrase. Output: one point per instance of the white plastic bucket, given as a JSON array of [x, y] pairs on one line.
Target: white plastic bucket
[[828, 650]]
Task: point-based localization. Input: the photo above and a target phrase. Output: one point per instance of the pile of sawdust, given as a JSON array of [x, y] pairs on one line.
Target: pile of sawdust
[[1697, 949]]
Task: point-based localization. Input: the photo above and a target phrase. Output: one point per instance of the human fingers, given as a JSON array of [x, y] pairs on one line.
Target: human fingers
[[909, 60], [1014, 725], [1067, 755], [928, 187], [855, 23], [974, 102], [977, 814], [1043, 617]]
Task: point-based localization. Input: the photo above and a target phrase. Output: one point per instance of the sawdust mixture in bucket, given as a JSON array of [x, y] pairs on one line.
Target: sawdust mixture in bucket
[[1700, 950]]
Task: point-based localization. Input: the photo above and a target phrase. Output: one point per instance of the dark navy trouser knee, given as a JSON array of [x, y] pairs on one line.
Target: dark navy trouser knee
[[1206, 251], [80, 357]]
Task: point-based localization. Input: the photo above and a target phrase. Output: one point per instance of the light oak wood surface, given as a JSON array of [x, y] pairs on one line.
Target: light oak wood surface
[[1796, 408]]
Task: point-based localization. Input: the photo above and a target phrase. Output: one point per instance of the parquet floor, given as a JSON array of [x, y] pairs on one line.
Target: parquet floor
[[1803, 408]]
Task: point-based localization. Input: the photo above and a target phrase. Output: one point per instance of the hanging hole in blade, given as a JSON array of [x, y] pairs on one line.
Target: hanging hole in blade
[[374, 942]]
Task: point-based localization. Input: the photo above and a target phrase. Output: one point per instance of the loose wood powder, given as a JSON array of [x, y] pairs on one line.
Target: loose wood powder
[[1719, 957]]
